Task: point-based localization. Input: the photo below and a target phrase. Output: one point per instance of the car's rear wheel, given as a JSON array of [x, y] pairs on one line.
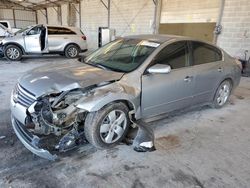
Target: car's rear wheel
[[13, 53], [108, 126], [222, 94], [72, 51]]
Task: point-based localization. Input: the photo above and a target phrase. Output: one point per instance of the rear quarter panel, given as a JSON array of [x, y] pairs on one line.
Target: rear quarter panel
[[232, 70], [59, 42]]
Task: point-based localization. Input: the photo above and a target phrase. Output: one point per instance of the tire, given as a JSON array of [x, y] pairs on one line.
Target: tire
[[13, 53], [100, 125], [222, 94], [72, 51]]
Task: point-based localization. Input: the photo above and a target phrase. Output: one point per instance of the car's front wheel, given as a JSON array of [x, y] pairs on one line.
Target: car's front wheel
[[108, 126], [222, 94], [13, 53], [72, 51]]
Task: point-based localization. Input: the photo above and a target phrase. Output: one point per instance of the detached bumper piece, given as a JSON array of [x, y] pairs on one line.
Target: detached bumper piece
[[30, 141]]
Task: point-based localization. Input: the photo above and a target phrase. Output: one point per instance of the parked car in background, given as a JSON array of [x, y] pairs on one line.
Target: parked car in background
[[126, 80], [6, 29], [43, 39]]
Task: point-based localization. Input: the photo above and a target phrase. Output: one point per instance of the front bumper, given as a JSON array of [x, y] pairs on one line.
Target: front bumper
[[30, 141]]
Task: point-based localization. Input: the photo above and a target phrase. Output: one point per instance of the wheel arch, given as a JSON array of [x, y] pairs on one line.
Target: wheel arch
[[71, 43], [229, 78], [16, 44]]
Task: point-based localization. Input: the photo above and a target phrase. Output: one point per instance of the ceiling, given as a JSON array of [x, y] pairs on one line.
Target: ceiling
[[34, 4]]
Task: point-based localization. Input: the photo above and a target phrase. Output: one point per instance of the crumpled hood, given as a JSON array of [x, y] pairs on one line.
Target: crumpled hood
[[66, 76]]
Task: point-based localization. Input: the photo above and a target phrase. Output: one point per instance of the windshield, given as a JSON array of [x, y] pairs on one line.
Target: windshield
[[23, 29], [122, 55]]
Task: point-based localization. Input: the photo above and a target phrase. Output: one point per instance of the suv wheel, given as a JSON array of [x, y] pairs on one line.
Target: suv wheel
[[108, 126], [72, 51], [222, 94], [13, 53]]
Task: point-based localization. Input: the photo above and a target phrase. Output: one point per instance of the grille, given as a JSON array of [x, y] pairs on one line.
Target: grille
[[22, 96]]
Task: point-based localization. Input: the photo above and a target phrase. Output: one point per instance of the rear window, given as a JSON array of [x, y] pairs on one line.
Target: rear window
[[5, 24], [60, 31], [205, 53]]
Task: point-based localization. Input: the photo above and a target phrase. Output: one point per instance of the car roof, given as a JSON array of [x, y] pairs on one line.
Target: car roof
[[160, 38], [62, 26]]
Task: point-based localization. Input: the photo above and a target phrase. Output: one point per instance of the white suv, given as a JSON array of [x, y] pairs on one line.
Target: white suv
[[41, 39]]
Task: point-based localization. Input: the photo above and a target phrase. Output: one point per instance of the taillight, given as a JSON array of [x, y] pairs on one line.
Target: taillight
[[84, 37], [238, 63]]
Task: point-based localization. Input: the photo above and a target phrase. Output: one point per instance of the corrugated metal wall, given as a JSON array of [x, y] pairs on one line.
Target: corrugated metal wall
[[22, 17]]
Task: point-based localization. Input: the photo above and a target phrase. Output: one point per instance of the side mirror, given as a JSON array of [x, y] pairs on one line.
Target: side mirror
[[81, 59], [159, 69]]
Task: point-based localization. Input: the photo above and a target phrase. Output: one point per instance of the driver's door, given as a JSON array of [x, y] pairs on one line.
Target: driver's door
[[32, 40], [163, 93]]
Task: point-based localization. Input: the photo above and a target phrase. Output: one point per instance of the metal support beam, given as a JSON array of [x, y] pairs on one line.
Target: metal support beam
[[75, 8], [104, 4], [60, 14], [46, 16], [157, 15], [108, 13], [80, 14], [43, 13], [14, 17], [108, 9], [218, 27], [36, 17]]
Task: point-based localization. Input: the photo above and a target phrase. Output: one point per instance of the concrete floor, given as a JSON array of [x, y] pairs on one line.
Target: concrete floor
[[201, 148]]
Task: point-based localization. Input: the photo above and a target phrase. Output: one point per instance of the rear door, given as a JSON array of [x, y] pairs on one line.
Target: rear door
[[162, 93], [58, 37], [32, 40], [208, 68]]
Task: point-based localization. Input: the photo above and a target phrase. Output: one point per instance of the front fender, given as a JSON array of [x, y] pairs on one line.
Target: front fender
[[105, 95]]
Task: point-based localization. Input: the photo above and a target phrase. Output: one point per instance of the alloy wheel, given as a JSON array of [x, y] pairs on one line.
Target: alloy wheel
[[72, 52], [224, 93], [13, 53], [113, 126]]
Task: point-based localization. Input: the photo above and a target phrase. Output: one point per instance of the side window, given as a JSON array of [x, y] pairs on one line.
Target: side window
[[175, 55], [205, 53], [60, 31], [34, 31]]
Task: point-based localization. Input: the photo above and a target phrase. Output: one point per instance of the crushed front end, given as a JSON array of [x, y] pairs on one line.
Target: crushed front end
[[54, 114]]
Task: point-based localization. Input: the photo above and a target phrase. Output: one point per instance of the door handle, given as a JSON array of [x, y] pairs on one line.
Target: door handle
[[220, 69], [188, 78]]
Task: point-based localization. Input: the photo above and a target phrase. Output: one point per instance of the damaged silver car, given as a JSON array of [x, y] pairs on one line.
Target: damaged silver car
[[131, 78]]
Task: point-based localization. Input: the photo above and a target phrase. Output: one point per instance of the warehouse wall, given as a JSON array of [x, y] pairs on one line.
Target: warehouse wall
[[23, 17], [193, 18], [189, 11], [94, 15], [127, 17], [54, 19], [235, 36], [130, 17], [41, 16]]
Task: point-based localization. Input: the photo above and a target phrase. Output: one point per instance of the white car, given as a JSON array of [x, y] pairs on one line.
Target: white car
[[43, 39]]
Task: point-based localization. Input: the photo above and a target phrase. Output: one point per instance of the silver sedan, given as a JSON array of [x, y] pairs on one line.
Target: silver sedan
[[128, 79]]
